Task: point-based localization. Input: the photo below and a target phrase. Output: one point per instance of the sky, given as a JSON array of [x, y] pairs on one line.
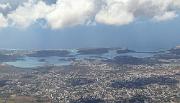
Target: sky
[[62, 24]]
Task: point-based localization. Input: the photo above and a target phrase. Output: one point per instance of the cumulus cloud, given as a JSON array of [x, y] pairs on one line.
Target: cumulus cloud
[[3, 21], [5, 6], [160, 10], [176, 3], [28, 13], [64, 13], [115, 12], [165, 16], [70, 13]]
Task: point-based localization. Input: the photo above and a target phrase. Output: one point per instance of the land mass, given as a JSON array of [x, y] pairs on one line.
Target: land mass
[[119, 79]]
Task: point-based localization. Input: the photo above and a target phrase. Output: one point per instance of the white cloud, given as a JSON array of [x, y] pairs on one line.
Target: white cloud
[[28, 13], [115, 12], [5, 6], [66, 13], [70, 13], [165, 16], [120, 12], [3, 21], [176, 3]]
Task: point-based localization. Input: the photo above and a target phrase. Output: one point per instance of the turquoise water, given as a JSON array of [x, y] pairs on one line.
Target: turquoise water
[[31, 62], [112, 53]]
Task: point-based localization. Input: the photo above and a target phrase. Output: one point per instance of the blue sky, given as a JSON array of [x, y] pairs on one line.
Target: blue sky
[[46, 29]]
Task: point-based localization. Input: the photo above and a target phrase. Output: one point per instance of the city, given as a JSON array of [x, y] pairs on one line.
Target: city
[[94, 81]]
